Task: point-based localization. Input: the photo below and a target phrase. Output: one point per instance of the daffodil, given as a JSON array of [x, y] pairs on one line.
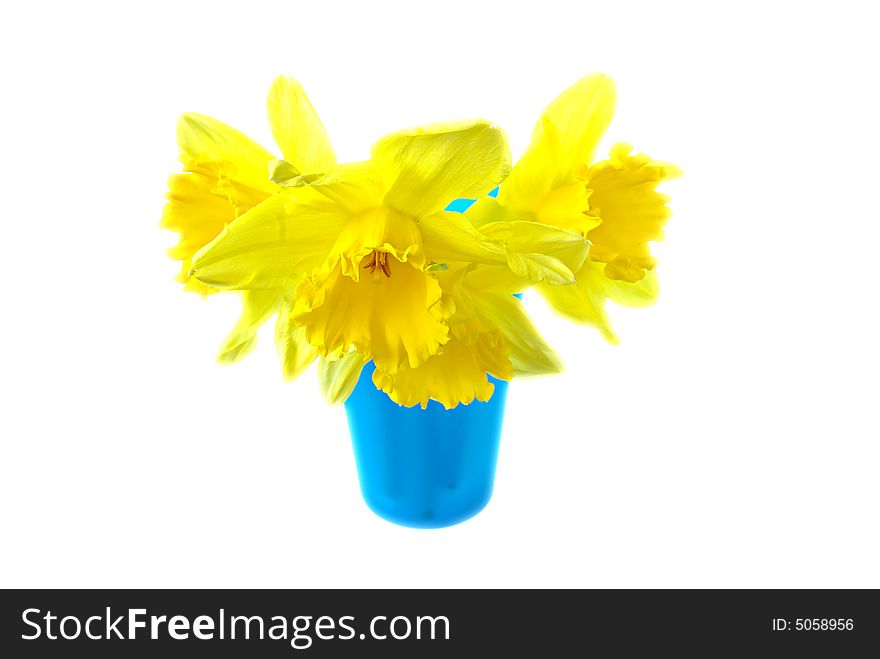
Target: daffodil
[[360, 248], [613, 203], [490, 332], [226, 174]]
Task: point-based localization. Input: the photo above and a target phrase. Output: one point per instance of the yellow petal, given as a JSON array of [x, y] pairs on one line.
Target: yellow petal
[[633, 213], [357, 187], [296, 354], [297, 129], [534, 237], [273, 244], [487, 210], [497, 279], [339, 377], [564, 140], [192, 284], [456, 375], [235, 158], [256, 307], [540, 268], [426, 168], [528, 351], [283, 173], [584, 301], [492, 353], [536, 253], [638, 294], [552, 254], [451, 237], [393, 318]]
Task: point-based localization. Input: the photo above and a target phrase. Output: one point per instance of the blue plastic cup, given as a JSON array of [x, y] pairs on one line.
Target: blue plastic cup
[[424, 468]]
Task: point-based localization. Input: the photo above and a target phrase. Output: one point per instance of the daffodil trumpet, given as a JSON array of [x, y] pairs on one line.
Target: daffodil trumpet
[[402, 274]]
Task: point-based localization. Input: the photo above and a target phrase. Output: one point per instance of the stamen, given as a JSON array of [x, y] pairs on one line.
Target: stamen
[[370, 262], [384, 264], [377, 260]]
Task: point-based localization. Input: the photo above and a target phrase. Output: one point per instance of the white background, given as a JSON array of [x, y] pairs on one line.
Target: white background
[[731, 440]]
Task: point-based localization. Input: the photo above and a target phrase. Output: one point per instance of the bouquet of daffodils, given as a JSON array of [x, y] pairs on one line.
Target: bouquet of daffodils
[[365, 262]]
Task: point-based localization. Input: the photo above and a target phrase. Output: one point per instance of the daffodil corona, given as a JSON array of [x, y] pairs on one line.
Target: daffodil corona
[[613, 203]]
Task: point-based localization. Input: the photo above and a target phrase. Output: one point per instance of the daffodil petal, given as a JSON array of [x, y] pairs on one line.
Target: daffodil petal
[[451, 237], [584, 301], [356, 187], [256, 307], [296, 127], [540, 268], [564, 141], [393, 319], [283, 173], [273, 244], [638, 294], [232, 155], [426, 168], [487, 210], [529, 352], [579, 117], [534, 238], [497, 279], [296, 354], [339, 377], [457, 375], [633, 213]]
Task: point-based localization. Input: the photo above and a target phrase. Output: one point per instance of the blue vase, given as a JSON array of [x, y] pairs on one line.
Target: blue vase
[[424, 468]]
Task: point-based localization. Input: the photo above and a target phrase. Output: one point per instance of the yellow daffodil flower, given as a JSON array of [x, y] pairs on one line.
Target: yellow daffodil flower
[[613, 203], [490, 332], [360, 246], [225, 174]]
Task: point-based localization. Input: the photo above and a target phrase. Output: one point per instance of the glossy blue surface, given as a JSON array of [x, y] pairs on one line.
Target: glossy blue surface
[[424, 468]]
